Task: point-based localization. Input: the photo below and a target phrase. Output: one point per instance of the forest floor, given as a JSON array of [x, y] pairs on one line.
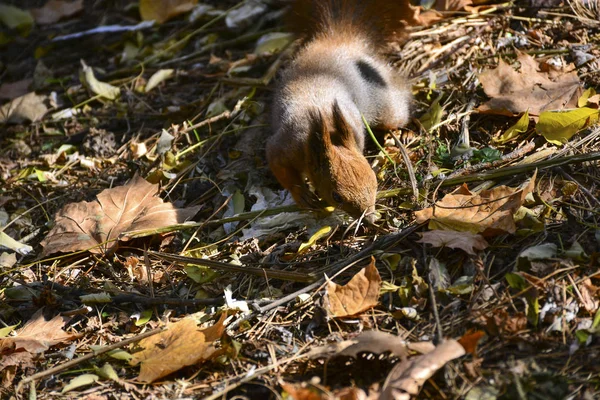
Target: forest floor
[[146, 251]]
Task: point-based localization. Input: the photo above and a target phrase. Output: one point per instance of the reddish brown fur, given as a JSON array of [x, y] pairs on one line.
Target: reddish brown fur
[[335, 79]]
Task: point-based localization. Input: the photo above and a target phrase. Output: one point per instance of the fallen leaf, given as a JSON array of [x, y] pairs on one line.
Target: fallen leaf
[[513, 132], [358, 295], [97, 225], [163, 10], [321, 233], [30, 107], [470, 340], [7, 260], [13, 90], [583, 99], [467, 241], [407, 377], [181, 345], [157, 78], [589, 295], [102, 89], [501, 323], [376, 342], [38, 335], [513, 92], [55, 10], [559, 127], [303, 391], [6, 242], [489, 212], [81, 380], [15, 18]]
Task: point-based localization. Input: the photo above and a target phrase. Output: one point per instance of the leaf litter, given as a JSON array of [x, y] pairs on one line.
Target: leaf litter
[[509, 266]]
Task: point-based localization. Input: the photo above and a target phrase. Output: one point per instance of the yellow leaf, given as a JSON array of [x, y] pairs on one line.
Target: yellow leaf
[[163, 10], [433, 116], [559, 127], [513, 131], [583, 100], [313, 239], [102, 89], [157, 78]]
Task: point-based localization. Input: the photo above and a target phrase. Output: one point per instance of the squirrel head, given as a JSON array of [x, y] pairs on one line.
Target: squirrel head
[[337, 168]]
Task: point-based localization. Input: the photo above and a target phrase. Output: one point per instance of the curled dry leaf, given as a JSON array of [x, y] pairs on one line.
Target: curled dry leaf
[[38, 335], [513, 92], [375, 342], [30, 107], [97, 225], [467, 241], [183, 344], [55, 10], [489, 212], [163, 10], [358, 295], [407, 377]]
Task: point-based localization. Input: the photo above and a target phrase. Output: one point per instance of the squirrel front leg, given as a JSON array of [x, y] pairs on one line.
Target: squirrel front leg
[[292, 180]]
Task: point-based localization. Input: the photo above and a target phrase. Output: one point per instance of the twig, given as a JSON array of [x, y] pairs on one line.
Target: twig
[[86, 357], [171, 301], [409, 166]]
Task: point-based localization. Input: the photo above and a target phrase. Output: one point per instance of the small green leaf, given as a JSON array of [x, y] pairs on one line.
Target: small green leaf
[[200, 273], [6, 330], [513, 132], [434, 116], [157, 78], [107, 372], [144, 318], [15, 18], [516, 281], [273, 42], [559, 127], [82, 380]]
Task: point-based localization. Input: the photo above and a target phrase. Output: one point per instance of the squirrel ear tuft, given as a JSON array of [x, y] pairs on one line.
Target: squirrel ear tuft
[[342, 128], [319, 139]]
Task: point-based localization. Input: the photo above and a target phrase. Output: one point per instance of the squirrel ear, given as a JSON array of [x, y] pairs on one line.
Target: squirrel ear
[[319, 140], [342, 127]]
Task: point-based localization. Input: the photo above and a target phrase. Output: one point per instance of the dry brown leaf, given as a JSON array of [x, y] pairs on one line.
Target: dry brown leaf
[[55, 10], [589, 295], [38, 335], [501, 323], [301, 391], [489, 212], [183, 344], [163, 10], [133, 207], [375, 342], [467, 241], [407, 377], [513, 92], [358, 295], [29, 107]]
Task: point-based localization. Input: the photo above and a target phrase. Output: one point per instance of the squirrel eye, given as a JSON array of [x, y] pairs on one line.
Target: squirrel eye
[[336, 197]]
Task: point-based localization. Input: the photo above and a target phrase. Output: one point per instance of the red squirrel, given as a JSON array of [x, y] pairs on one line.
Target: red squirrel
[[336, 77]]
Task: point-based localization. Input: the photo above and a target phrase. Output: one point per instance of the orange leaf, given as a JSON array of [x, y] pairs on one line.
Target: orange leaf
[[183, 344], [469, 341], [489, 212], [358, 295]]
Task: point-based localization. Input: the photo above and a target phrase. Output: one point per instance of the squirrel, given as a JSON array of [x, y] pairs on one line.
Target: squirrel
[[337, 77]]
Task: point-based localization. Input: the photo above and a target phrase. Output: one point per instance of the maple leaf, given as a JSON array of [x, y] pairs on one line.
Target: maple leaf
[[358, 295], [513, 92], [467, 241], [97, 225], [183, 344], [489, 212], [38, 335]]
